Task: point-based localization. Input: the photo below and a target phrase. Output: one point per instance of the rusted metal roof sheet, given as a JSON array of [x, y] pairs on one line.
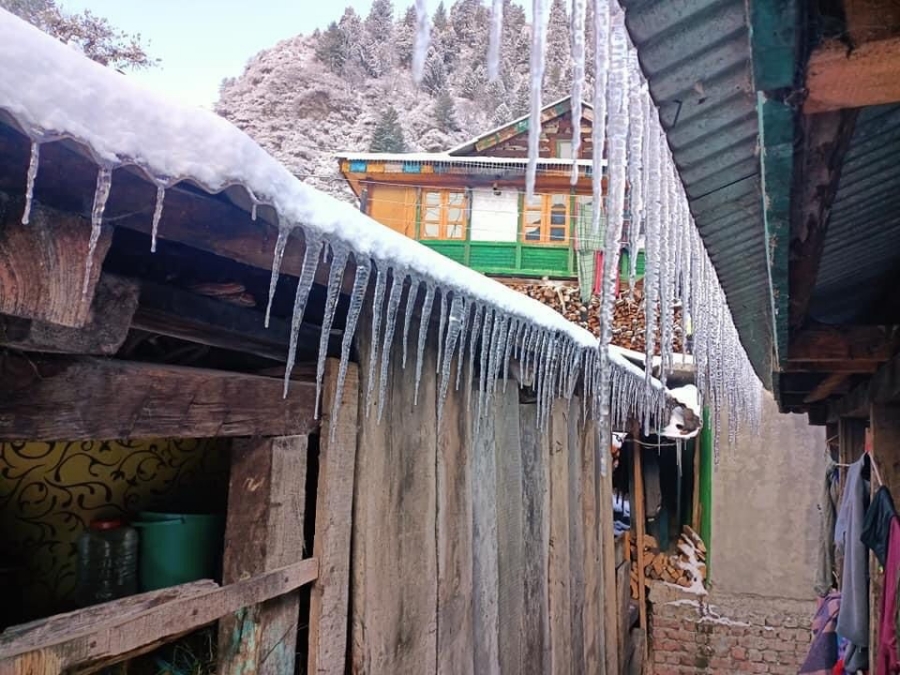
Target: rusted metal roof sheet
[[696, 57]]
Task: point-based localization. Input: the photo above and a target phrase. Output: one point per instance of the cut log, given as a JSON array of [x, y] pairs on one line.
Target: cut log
[[42, 266], [107, 327], [44, 399]]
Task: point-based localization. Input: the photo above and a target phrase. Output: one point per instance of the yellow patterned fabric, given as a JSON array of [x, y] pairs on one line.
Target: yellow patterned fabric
[[49, 493]]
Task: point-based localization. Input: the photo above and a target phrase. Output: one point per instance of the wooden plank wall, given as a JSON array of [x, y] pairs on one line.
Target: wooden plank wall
[[473, 554]]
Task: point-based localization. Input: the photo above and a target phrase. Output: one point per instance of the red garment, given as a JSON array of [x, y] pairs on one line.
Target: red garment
[[598, 276], [886, 660]]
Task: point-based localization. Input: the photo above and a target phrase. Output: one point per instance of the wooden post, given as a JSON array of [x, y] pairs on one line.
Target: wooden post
[[334, 510], [608, 560], [885, 441], [264, 531], [639, 522]]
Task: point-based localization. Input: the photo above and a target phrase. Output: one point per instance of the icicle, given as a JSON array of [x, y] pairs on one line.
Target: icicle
[[31, 176], [423, 37], [678, 455], [397, 278], [357, 296], [280, 244], [538, 33], [411, 297], [483, 375], [636, 112], [508, 347], [473, 344], [157, 216], [462, 340], [496, 40], [253, 208], [579, 8], [304, 284], [441, 326], [665, 291], [377, 309], [652, 257], [454, 328], [101, 194], [423, 333], [339, 255], [601, 57]]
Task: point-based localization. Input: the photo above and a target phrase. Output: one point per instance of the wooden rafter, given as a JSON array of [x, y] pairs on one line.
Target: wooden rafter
[[817, 170], [830, 385], [835, 344], [840, 77]]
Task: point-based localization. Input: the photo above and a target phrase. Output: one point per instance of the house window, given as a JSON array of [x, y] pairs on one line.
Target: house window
[[545, 219], [564, 149], [443, 215]]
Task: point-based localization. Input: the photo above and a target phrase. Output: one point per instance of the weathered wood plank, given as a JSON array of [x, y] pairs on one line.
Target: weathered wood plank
[[394, 558], [456, 638], [44, 399], [607, 546], [187, 316], [837, 77], [639, 522], [43, 264], [112, 309], [119, 632], [818, 343], [576, 539], [510, 523], [334, 512], [535, 492], [264, 531], [593, 616], [622, 604], [558, 572], [485, 579]]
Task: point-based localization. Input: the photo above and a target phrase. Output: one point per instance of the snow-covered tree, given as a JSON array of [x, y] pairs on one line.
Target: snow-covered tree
[[388, 134], [91, 34], [502, 115], [434, 76], [377, 47], [405, 37], [445, 113], [558, 72]]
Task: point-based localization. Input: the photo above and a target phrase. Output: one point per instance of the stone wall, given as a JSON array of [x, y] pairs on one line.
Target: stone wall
[[723, 634]]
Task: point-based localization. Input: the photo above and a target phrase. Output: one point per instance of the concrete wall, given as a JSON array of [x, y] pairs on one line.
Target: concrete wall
[[766, 492]]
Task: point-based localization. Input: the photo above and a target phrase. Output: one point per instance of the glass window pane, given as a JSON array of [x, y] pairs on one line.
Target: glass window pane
[[532, 233], [558, 216], [433, 214], [557, 234], [454, 231], [455, 215], [456, 199], [557, 201], [432, 230], [432, 198], [533, 202], [565, 149]]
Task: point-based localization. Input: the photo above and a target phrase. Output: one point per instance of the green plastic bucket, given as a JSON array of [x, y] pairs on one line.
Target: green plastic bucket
[[176, 548]]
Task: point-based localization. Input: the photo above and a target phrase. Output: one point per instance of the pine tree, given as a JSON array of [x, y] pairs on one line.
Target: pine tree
[[522, 101], [470, 22], [445, 112], [502, 115], [473, 83], [405, 37], [388, 134], [434, 77], [330, 48], [378, 29], [558, 71]]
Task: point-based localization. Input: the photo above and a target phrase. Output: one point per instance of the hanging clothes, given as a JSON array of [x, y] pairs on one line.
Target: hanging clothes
[[829, 503], [853, 618], [877, 524], [887, 661], [823, 651]]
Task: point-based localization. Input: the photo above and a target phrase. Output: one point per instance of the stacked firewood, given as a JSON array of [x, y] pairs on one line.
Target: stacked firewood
[[685, 568], [628, 316]]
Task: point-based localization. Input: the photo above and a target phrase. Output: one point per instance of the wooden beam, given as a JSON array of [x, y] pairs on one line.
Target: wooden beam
[[179, 314], [112, 309], [827, 387], [43, 265], [871, 20], [264, 531], [849, 367], [639, 520], [608, 560], [329, 599], [817, 170], [121, 627], [840, 77], [882, 387], [821, 343], [50, 398]]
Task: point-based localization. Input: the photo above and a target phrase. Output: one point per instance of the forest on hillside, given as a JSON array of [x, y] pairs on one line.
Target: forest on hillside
[[350, 86]]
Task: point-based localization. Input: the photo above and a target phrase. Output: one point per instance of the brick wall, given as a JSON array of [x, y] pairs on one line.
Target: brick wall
[[725, 634]]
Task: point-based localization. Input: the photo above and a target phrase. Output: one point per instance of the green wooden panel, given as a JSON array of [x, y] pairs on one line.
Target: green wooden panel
[[493, 256], [455, 250], [625, 264], [552, 260]]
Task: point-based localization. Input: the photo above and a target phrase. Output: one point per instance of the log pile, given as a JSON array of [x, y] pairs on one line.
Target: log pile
[[628, 318], [685, 568]]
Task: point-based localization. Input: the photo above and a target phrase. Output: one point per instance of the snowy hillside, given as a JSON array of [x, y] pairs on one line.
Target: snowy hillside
[[309, 97]]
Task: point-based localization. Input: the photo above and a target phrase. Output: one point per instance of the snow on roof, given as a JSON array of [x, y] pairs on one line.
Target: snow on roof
[[470, 144], [119, 122], [444, 158]]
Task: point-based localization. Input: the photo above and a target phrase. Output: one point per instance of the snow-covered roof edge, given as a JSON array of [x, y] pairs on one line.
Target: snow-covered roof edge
[[443, 158], [122, 123]]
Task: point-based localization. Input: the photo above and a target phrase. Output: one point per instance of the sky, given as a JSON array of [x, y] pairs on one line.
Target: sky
[[201, 42]]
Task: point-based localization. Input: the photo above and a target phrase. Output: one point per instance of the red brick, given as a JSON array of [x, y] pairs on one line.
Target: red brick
[[755, 655], [739, 653]]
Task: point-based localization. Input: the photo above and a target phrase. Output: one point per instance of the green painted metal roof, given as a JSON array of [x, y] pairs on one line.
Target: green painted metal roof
[[696, 56]]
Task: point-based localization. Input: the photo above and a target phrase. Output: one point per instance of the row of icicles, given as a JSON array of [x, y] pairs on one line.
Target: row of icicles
[[626, 128]]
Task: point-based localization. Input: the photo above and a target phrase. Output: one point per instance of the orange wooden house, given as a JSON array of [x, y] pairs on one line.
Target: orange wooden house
[[469, 203]]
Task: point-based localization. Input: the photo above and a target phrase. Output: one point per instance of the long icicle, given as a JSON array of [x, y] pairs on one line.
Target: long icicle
[[101, 194], [157, 215], [277, 256], [422, 40], [377, 307], [304, 284], [339, 255], [496, 40], [33, 163], [397, 282], [579, 9], [538, 32]]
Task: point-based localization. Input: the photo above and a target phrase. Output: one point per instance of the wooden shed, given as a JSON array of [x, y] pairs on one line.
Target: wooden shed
[[406, 449]]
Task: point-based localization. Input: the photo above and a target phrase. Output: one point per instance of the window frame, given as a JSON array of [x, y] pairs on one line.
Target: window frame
[[444, 222], [546, 223]]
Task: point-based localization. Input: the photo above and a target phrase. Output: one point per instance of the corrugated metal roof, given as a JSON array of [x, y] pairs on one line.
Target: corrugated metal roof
[[862, 244], [696, 57]]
